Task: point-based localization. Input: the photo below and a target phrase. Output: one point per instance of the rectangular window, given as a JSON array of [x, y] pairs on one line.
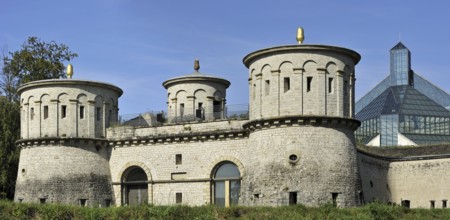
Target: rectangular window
[[83, 202], [406, 203], [178, 159], [63, 111], [98, 114], [267, 88], [181, 109], [45, 111], [178, 198], [287, 84], [432, 204], [81, 112], [334, 198], [42, 200], [444, 204], [330, 85], [292, 198], [308, 83], [31, 113]]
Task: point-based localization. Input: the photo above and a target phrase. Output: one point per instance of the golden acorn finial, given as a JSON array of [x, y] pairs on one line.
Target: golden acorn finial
[[300, 35], [196, 65], [69, 71]]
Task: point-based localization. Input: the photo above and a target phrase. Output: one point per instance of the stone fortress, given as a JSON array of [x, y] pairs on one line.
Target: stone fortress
[[296, 147]]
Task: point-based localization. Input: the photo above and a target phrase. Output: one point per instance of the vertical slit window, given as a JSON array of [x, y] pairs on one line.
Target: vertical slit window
[[444, 204], [81, 112], [334, 198], [292, 198], [432, 204], [181, 109], [179, 198], [330, 85], [45, 111], [287, 84], [63, 111], [31, 113], [308, 83], [345, 87], [267, 88], [98, 113]]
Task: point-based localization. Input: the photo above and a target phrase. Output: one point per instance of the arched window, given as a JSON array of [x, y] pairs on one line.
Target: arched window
[[134, 186], [226, 184]]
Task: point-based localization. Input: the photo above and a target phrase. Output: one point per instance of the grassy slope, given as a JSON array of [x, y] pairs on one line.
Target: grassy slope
[[9, 210]]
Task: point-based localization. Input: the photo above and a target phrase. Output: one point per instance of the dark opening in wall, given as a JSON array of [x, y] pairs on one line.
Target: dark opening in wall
[[178, 159], [293, 158], [179, 198], [20, 200], [371, 184], [82, 202], [98, 113], [23, 171], [256, 196], [63, 111], [308, 83], [42, 200], [406, 203], [45, 111], [81, 112], [334, 197], [444, 203], [31, 113], [330, 85], [267, 88], [345, 87], [107, 202], [432, 204], [199, 111], [181, 109], [292, 198], [287, 84]]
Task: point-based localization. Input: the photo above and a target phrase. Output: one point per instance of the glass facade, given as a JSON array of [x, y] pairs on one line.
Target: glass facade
[[395, 112]]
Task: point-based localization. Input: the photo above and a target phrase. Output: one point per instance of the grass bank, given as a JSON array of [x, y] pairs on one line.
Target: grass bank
[[10, 210]]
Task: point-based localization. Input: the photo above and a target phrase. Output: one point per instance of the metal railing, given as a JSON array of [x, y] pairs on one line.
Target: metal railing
[[159, 118]]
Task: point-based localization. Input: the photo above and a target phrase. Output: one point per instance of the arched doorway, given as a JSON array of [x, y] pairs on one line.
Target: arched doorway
[[134, 187], [226, 184]]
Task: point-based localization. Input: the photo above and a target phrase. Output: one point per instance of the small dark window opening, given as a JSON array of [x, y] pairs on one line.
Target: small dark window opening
[[267, 88], [432, 204], [345, 87], [444, 204], [98, 115], [287, 84], [334, 198], [256, 196], [20, 200], [23, 171], [31, 113], [81, 112], [83, 202], [406, 203], [292, 198], [178, 159], [107, 202], [181, 109], [45, 111], [371, 184], [63, 111], [330, 85], [42, 200], [199, 111], [308, 83], [178, 198]]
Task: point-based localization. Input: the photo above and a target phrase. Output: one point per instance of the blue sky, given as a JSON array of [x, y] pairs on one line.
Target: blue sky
[[138, 44]]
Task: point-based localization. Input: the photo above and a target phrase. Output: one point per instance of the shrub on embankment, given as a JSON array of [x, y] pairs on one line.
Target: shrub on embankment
[[10, 210]]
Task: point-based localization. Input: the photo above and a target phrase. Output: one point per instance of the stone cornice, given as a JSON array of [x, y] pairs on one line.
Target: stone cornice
[[180, 138], [402, 158], [54, 141], [301, 120]]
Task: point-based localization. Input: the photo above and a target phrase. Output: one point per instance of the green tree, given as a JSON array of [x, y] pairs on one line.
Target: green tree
[[36, 60]]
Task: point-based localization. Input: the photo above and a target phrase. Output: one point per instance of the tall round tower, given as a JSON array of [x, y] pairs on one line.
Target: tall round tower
[[301, 109], [196, 96], [64, 152]]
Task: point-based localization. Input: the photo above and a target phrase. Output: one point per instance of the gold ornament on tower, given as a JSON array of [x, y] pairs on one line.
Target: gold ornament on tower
[[69, 71], [300, 35]]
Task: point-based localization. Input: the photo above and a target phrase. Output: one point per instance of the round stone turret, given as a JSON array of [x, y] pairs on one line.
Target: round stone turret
[[196, 97], [301, 80], [301, 109], [64, 151]]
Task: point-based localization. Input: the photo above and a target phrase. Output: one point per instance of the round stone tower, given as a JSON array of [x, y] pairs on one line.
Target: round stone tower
[[196, 97], [301, 109], [64, 152]]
